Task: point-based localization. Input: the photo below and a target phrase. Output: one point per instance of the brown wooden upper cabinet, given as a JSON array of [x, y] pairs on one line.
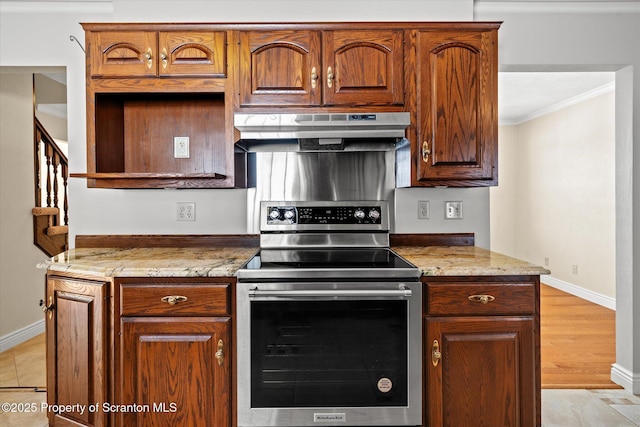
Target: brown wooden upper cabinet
[[321, 68], [151, 88], [457, 110], [158, 53]]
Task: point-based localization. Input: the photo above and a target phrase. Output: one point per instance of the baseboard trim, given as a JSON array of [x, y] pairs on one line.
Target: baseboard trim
[[21, 335], [585, 294], [625, 378]]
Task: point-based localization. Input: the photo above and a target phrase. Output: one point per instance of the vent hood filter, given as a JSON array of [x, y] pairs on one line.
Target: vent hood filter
[[321, 132]]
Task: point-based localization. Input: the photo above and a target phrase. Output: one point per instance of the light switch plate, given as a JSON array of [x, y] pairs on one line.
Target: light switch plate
[[423, 209]]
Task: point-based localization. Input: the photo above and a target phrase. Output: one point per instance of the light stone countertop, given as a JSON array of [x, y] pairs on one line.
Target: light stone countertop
[[465, 261], [151, 262], [225, 261]]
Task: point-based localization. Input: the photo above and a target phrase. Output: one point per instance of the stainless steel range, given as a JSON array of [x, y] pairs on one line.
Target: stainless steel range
[[328, 320]]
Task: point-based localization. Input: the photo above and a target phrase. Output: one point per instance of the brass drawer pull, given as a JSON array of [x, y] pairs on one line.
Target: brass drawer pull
[[330, 77], [425, 152], [220, 353], [164, 57], [148, 55], [48, 308], [482, 299], [314, 78], [173, 299], [435, 353]]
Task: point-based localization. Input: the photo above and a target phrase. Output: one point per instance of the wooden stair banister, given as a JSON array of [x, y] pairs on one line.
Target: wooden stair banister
[[51, 173]]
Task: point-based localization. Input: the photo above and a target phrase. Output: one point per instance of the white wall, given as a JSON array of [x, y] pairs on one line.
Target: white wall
[[22, 284], [503, 197], [559, 203], [544, 40], [475, 212]]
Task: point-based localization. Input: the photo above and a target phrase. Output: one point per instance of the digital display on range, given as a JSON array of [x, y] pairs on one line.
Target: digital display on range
[[324, 215]]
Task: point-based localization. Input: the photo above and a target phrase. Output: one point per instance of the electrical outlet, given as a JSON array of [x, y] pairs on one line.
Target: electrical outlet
[[574, 269], [181, 147], [186, 211], [423, 209], [546, 261], [453, 210]]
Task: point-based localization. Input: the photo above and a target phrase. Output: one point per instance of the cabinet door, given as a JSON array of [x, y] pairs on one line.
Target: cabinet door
[[484, 372], [179, 367], [122, 53], [195, 53], [280, 68], [363, 67], [457, 106], [76, 329]]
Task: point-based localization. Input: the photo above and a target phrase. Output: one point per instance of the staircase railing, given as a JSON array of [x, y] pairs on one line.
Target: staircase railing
[[51, 173]]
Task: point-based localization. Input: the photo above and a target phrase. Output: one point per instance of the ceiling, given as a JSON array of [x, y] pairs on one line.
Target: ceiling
[[523, 96]]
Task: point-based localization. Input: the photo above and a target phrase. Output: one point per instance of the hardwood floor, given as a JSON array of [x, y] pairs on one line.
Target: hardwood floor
[[578, 341]]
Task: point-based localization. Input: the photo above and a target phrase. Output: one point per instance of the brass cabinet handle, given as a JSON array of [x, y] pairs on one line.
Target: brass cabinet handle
[[173, 299], [164, 56], [330, 77], [314, 77], [220, 353], [48, 308], [149, 57], [425, 151], [482, 299], [435, 353]]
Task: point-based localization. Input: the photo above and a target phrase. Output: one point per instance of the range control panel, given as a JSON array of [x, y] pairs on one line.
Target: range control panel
[[310, 215]]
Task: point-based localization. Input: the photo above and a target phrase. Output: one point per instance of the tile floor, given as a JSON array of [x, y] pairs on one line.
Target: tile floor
[[590, 408], [24, 366]]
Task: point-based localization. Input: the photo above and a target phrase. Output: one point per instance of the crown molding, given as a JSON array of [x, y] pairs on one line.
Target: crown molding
[[95, 6], [481, 6]]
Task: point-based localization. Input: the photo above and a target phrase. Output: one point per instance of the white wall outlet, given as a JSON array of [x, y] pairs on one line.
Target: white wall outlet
[[546, 261], [181, 147], [453, 210], [186, 211], [574, 268], [423, 209]]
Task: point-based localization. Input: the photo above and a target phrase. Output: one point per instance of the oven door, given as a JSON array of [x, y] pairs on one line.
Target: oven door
[[329, 353]]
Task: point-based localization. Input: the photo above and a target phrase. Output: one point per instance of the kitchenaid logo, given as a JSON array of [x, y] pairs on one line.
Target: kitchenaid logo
[[330, 418]]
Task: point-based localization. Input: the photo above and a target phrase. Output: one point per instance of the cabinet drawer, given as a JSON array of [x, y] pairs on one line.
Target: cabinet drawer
[[479, 299], [173, 299]]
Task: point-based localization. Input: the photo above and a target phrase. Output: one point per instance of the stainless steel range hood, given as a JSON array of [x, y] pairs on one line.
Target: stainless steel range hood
[[321, 131]]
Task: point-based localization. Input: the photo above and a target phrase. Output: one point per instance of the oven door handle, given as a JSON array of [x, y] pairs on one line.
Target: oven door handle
[[403, 292]]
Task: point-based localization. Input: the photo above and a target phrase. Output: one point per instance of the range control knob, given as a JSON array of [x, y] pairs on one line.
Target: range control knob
[[359, 214], [274, 213], [374, 214], [288, 214]]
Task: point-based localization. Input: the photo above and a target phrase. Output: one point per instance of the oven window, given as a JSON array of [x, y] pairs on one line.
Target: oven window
[[328, 353]]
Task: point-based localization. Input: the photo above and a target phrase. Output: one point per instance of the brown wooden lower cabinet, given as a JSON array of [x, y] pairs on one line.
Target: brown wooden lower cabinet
[[482, 352], [170, 373], [173, 358], [139, 351], [157, 351], [77, 350]]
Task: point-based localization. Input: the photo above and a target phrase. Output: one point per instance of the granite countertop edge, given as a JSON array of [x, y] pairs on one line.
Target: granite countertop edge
[[225, 262]]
